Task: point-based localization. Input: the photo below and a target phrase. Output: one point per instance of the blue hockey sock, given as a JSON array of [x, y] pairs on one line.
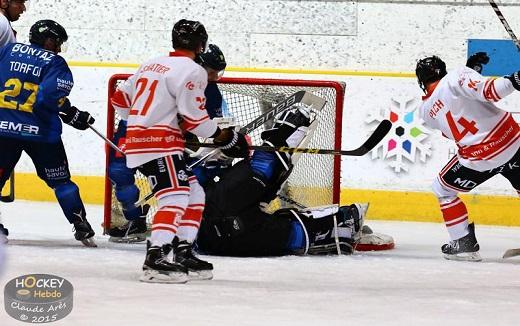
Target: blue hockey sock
[[70, 201]]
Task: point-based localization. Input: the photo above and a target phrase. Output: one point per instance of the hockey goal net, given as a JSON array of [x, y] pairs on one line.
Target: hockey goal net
[[315, 179]]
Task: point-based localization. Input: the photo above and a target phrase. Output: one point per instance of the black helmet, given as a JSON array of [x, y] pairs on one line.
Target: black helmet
[[212, 58], [44, 29], [430, 69], [189, 34]]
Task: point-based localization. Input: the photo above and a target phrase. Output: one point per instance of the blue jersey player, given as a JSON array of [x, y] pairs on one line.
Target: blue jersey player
[[34, 84]]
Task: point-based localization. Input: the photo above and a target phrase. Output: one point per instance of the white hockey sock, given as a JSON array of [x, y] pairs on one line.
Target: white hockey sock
[[161, 237], [188, 233]]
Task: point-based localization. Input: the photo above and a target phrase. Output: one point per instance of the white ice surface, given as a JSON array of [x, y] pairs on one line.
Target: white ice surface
[[410, 285]]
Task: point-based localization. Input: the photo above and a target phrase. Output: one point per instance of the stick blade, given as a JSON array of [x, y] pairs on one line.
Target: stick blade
[[511, 253], [381, 131]]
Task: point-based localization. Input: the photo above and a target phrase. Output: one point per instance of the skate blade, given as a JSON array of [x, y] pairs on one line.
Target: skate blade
[[511, 253], [130, 239], [200, 275], [465, 256], [153, 276], [89, 242]]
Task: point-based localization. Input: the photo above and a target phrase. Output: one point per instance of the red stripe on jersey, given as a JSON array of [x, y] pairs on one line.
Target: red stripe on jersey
[[172, 172], [502, 136], [490, 92], [155, 150], [186, 125], [448, 166], [158, 127]]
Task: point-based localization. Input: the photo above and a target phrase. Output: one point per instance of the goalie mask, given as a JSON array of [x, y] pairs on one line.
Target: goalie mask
[[429, 70], [190, 35]]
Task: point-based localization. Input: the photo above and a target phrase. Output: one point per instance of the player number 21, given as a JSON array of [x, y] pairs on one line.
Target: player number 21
[[141, 86], [467, 126]]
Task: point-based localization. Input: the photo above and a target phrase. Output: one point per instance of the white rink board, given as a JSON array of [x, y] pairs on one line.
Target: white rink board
[[364, 96]]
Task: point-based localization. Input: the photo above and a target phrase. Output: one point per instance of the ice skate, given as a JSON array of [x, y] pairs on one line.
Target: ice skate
[[131, 232], [157, 268], [464, 249], [83, 232], [198, 268]]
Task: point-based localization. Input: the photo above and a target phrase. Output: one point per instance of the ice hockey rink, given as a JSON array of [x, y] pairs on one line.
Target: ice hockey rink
[[410, 285]]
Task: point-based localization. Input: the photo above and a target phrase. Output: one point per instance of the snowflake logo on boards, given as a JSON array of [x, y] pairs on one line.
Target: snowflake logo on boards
[[406, 137]]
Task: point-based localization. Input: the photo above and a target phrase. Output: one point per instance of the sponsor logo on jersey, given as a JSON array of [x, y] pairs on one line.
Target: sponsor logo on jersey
[[29, 50], [64, 84], [19, 128], [190, 85], [473, 84]]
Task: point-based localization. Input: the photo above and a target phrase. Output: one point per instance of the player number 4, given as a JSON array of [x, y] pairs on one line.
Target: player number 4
[[467, 126]]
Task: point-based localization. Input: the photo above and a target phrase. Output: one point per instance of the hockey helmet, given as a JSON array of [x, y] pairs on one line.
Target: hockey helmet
[[212, 58], [428, 70], [47, 29], [189, 34]]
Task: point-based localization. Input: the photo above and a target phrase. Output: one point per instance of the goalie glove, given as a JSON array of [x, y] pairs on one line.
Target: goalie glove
[[477, 60], [232, 143], [76, 118], [515, 80]]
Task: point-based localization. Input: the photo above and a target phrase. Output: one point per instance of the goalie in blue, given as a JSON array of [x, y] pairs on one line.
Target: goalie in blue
[[34, 84]]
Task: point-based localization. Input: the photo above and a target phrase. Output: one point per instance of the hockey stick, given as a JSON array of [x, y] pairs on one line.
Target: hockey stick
[[299, 97], [505, 23], [10, 197], [381, 131], [511, 253], [108, 141]]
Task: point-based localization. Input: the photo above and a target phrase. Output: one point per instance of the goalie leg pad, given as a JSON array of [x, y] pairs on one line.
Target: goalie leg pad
[[126, 191]]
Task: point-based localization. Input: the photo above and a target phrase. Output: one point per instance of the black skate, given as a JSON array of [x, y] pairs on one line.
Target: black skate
[[157, 268], [198, 268], [83, 232], [131, 232], [465, 248]]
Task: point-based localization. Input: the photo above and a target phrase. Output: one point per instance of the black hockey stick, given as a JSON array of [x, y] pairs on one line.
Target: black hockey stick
[[505, 23], [10, 197], [378, 135]]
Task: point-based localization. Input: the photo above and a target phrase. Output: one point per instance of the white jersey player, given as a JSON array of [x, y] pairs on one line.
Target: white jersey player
[[11, 11], [461, 105], [161, 101]]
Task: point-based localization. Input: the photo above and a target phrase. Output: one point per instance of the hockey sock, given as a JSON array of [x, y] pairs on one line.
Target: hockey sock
[[164, 226], [455, 217], [190, 223], [70, 201]]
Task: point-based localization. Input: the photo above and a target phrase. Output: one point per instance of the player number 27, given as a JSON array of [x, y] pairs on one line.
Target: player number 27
[[12, 89], [141, 86], [467, 126]]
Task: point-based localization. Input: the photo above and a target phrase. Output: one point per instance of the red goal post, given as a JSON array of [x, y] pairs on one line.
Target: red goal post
[[315, 179]]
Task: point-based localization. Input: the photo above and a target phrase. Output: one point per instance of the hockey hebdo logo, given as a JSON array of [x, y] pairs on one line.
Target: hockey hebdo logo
[[406, 138], [38, 298]]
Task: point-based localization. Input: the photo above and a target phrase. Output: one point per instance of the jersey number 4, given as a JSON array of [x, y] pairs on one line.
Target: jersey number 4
[[141, 86], [12, 89], [467, 126]]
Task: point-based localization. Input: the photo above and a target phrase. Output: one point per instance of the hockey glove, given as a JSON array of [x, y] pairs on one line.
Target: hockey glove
[[477, 60], [515, 80], [232, 143], [76, 118]]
